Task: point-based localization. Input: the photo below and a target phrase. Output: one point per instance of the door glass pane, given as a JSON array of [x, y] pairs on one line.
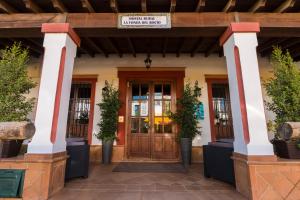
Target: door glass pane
[[167, 91], [134, 125], [144, 91], [158, 108], [158, 91], [135, 91], [158, 125], [167, 126], [135, 108], [144, 125], [167, 108], [144, 108]]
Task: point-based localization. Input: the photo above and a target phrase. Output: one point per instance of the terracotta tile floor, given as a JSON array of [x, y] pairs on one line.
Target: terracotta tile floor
[[107, 185]]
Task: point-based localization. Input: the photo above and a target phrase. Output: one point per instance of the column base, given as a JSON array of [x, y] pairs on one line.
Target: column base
[[267, 177], [44, 173]]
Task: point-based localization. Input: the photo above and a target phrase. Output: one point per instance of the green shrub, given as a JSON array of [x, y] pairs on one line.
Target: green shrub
[[109, 108], [284, 88], [14, 83]]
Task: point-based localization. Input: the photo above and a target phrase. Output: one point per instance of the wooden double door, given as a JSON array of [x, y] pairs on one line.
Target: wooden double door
[[151, 133]]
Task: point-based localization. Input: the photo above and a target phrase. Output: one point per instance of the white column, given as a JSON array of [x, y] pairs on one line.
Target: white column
[[60, 44], [249, 123]]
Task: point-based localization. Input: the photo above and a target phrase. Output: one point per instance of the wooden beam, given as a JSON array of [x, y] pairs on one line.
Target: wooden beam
[[59, 6], [144, 6], [180, 46], [258, 4], [164, 47], [7, 8], [211, 48], [200, 6], [229, 6], [87, 6], [149, 46], [196, 47], [114, 6], [268, 44], [32, 6], [92, 44], [173, 6], [87, 51], [285, 5], [115, 46], [36, 41], [131, 46]]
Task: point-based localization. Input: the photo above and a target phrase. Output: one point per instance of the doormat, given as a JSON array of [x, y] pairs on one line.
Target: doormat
[[150, 167]]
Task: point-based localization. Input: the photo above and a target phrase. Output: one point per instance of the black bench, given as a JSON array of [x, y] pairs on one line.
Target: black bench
[[217, 161]]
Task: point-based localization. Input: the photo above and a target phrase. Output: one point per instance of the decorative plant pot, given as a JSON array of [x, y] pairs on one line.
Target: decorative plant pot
[[186, 151], [107, 147], [286, 149], [10, 148]]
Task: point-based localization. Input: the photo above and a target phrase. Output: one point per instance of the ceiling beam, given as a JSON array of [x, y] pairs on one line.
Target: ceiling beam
[[211, 48], [229, 6], [131, 46], [196, 47], [257, 5], [87, 6], [92, 44], [279, 42], [36, 41], [7, 8], [32, 6], [87, 51], [144, 6], [173, 6], [59, 6], [284, 6], [268, 44], [115, 46], [149, 46], [164, 47], [114, 6], [180, 46], [200, 6]]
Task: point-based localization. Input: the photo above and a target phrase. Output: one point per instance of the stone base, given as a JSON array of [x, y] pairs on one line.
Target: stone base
[[44, 175], [266, 177], [119, 154]]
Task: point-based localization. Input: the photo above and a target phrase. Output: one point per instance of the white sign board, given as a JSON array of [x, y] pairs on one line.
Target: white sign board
[[144, 21]]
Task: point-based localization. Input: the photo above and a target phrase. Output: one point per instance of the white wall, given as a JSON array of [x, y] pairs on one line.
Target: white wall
[[196, 69]]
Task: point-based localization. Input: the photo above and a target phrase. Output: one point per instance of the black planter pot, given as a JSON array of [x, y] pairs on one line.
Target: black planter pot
[[10, 148], [286, 149], [107, 147], [186, 151]]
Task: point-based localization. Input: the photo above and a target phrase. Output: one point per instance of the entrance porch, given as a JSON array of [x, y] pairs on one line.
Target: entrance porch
[[105, 184]]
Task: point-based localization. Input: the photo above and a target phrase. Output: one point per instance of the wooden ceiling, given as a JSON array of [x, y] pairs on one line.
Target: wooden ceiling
[[173, 42], [106, 6]]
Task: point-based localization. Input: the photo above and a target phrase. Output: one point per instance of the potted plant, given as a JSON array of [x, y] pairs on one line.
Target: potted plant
[[186, 119], [284, 90], [108, 124], [14, 106]]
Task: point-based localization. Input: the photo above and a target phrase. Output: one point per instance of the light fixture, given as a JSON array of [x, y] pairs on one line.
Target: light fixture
[[148, 62]]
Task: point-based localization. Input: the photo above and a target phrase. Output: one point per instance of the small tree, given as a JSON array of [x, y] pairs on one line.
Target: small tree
[[14, 83], [109, 108], [284, 88], [185, 116]]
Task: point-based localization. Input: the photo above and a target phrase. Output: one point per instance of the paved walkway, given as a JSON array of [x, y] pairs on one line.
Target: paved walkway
[[107, 185]]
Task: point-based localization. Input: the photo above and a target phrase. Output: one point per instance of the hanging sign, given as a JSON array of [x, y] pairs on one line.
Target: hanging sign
[[144, 20]]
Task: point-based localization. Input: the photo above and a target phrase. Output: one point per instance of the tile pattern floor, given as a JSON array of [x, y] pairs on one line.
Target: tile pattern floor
[[107, 185]]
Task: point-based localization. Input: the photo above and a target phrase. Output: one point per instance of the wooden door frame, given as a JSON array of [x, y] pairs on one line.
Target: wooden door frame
[[212, 79], [126, 75], [92, 79]]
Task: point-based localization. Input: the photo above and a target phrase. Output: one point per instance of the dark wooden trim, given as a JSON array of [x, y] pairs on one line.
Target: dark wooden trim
[[32, 6], [211, 79], [92, 79], [59, 6], [87, 5]]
